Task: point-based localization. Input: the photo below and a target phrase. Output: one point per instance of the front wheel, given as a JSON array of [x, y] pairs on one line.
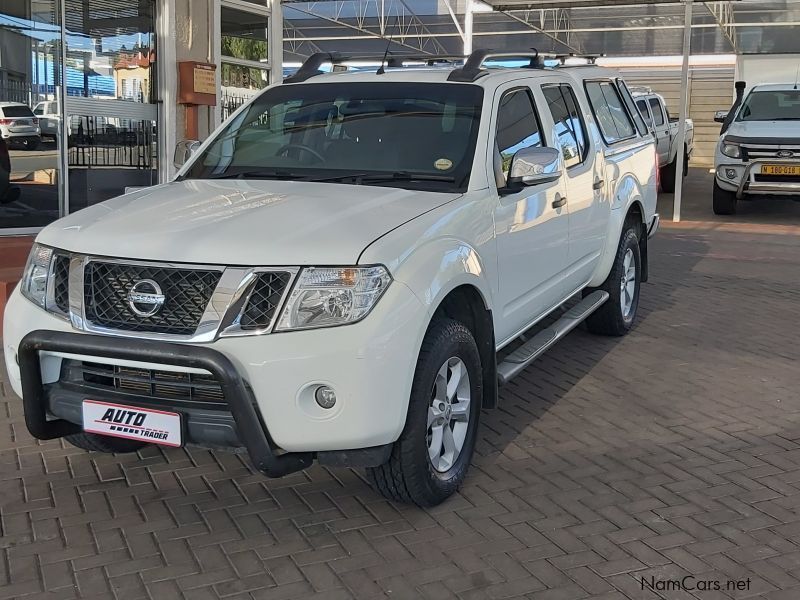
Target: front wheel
[[724, 201], [430, 460], [617, 315]]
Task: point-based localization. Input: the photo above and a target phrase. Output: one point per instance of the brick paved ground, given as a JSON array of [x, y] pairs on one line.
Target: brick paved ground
[[674, 451]]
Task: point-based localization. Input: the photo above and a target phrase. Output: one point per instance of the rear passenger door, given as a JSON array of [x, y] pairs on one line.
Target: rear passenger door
[[661, 126], [531, 223], [587, 201]]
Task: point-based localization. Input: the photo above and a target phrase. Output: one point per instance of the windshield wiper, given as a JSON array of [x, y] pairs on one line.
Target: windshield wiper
[[259, 174], [359, 178]]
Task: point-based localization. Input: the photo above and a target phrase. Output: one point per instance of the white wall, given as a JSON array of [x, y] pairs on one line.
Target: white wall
[[767, 68]]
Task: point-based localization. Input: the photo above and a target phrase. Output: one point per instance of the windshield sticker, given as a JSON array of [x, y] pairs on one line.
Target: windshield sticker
[[443, 164]]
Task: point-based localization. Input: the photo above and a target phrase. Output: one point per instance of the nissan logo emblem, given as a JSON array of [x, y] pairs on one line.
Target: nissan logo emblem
[[785, 154], [145, 298]]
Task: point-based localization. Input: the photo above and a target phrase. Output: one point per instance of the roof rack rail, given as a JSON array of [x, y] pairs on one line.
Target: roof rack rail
[[591, 59], [640, 89], [472, 69], [311, 67]]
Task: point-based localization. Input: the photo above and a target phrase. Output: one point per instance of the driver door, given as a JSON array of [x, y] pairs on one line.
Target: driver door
[[531, 224]]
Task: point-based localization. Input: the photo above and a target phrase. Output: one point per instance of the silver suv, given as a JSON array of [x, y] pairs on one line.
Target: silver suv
[[18, 125]]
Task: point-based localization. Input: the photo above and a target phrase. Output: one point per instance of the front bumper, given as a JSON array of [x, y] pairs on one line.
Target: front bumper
[[369, 364], [745, 183], [252, 433]]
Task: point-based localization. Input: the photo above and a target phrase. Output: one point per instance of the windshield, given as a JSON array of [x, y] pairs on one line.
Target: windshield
[[771, 106], [411, 135]]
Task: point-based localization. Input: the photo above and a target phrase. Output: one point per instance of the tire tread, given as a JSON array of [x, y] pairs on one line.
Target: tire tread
[[397, 479]]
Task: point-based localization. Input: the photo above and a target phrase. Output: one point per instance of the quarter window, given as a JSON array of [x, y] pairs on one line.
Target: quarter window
[[517, 126], [642, 106], [570, 131], [612, 118], [658, 114], [638, 120]]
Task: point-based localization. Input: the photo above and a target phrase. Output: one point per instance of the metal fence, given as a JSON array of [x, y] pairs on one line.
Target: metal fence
[[16, 91], [95, 143]]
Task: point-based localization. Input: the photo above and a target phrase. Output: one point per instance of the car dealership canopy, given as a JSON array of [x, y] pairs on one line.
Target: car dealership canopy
[[613, 27]]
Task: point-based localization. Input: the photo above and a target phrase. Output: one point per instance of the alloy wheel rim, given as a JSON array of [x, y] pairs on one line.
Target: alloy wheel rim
[[448, 414], [627, 285]]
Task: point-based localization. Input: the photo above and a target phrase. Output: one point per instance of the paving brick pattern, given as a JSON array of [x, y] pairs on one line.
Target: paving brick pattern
[[674, 451]]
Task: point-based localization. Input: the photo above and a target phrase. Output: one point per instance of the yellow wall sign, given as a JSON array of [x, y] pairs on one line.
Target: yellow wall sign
[[204, 81]]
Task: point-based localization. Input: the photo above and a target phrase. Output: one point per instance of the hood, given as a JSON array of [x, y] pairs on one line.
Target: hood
[[235, 222], [765, 130]]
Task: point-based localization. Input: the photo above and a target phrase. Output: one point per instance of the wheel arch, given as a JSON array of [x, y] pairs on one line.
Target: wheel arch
[[628, 204], [465, 303]]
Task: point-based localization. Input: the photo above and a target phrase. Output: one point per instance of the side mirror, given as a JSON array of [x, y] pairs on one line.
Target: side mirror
[[184, 151], [720, 116], [535, 165]]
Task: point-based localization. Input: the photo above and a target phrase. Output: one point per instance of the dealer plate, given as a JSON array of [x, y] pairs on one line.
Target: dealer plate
[[131, 422], [780, 170]]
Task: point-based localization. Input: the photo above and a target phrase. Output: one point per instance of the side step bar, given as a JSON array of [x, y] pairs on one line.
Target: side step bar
[[519, 359]]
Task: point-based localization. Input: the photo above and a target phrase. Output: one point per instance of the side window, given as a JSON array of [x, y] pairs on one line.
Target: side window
[[38, 110], [641, 127], [642, 106], [658, 114], [570, 132], [612, 118], [517, 126]]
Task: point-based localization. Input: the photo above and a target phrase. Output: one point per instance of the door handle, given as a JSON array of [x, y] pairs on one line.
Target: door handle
[[598, 185], [559, 202]]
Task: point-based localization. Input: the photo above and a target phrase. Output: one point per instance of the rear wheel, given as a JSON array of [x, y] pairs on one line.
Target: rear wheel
[[104, 443], [430, 460], [667, 174], [617, 315], [667, 177], [724, 201]]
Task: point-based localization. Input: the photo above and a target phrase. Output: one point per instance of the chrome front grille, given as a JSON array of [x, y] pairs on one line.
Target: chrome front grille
[[187, 292], [264, 300], [61, 282], [778, 152], [195, 303]]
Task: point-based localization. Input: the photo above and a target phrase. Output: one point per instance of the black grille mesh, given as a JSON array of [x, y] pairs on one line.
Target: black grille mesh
[[187, 293], [168, 388], [61, 282], [264, 300]]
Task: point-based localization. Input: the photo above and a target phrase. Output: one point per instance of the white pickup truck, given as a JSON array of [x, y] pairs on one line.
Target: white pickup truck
[[758, 153], [665, 128], [343, 271]]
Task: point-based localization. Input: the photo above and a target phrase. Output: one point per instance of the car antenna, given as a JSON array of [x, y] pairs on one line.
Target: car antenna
[[797, 77], [381, 70]]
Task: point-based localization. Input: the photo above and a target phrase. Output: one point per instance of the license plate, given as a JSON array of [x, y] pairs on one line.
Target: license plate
[[780, 170], [131, 422]]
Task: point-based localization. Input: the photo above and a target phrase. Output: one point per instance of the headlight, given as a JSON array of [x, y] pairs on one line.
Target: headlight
[[37, 271], [731, 150], [326, 297]]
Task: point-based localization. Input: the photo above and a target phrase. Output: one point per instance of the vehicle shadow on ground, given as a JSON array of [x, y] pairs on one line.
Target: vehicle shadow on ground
[[538, 410]]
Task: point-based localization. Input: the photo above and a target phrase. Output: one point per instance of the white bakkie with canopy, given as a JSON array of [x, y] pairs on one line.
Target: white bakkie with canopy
[[344, 270]]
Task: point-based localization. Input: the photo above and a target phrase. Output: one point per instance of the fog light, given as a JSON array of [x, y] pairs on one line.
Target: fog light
[[325, 396], [730, 173]]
